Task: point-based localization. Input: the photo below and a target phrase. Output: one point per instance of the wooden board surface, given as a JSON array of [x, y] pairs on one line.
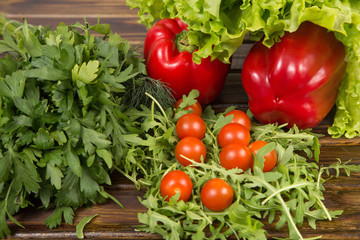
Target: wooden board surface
[[114, 222]]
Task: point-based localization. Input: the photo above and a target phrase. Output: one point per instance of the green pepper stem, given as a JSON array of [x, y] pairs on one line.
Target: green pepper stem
[[182, 42]]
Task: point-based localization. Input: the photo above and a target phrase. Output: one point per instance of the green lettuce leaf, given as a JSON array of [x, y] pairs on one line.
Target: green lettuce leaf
[[347, 116], [218, 28]]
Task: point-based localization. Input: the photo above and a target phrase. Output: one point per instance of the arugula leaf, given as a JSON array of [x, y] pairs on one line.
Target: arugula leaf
[[293, 190]]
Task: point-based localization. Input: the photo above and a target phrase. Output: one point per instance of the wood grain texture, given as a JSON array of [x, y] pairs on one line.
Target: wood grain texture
[[115, 222]]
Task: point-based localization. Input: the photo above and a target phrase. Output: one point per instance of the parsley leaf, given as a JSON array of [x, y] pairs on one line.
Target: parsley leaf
[[63, 94], [86, 73]]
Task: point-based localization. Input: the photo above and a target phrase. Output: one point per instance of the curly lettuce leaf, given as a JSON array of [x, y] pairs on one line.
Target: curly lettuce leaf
[[218, 27], [214, 25], [347, 116]]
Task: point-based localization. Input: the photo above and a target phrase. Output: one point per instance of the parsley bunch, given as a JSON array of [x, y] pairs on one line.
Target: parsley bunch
[[63, 94], [289, 195]]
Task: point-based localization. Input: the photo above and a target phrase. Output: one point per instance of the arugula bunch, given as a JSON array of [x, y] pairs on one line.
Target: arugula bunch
[[289, 195], [218, 28], [62, 127]]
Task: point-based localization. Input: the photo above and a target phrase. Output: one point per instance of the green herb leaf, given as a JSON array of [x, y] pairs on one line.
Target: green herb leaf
[[31, 43], [14, 85], [55, 175], [73, 161], [86, 73], [4, 229], [55, 218], [65, 115], [81, 225]]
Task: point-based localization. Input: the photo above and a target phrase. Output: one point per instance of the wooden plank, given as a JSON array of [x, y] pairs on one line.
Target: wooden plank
[[115, 222], [65, 8]]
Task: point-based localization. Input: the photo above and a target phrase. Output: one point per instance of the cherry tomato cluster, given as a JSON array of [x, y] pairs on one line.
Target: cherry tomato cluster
[[237, 152], [190, 129], [234, 138]]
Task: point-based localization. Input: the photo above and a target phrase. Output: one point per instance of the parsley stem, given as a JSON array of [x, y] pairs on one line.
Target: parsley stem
[[114, 199], [8, 193], [6, 206]]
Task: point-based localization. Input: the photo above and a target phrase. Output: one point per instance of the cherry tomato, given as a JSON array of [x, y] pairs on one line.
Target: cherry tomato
[[190, 147], [241, 118], [217, 195], [196, 107], [233, 133], [270, 158], [190, 125], [174, 182], [236, 155]]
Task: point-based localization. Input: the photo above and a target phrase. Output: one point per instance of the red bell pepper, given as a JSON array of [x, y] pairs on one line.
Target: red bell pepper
[[296, 80], [164, 61]]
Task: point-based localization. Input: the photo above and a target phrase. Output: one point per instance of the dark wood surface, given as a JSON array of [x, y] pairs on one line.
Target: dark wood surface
[[114, 222]]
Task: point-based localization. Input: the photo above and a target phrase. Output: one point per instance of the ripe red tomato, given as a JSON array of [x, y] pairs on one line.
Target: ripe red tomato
[[196, 107], [236, 155], [270, 158], [190, 125], [190, 147], [174, 182], [241, 118], [217, 195], [233, 133]]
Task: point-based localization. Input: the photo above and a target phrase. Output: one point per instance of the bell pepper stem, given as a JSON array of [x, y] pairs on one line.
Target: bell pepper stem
[[182, 42]]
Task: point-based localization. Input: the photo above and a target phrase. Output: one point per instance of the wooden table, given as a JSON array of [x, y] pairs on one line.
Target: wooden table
[[114, 222]]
